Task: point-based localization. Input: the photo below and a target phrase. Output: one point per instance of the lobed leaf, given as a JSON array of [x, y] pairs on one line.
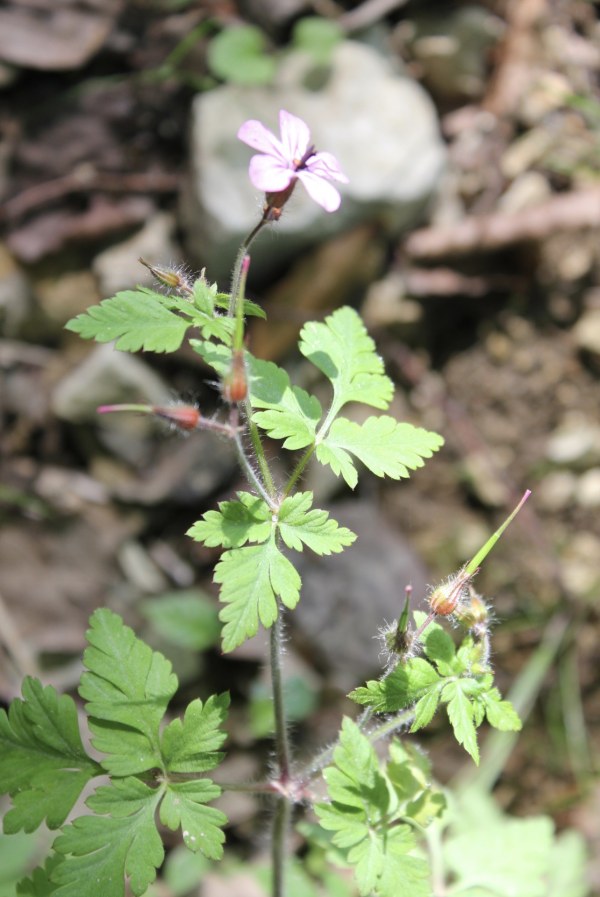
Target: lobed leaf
[[235, 523], [342, 349], [102, 846], [299, 525], [184, 805], [43, 764], [386, 447], [137, 319], [39, 885], [251, 580], [461, 716], [128, 688], [408, 683], [192, 745]]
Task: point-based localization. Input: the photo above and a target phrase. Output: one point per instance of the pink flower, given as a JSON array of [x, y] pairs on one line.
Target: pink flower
[[292, 158]]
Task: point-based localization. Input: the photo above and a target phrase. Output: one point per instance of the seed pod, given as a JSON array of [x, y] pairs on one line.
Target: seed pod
[[169, 277], [475, 613], [445, 599], [234, 387]]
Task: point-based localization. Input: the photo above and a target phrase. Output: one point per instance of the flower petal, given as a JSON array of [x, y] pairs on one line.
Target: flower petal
[[260, 138], [320, 190], [326, 166], [295, 135], [269, 174]]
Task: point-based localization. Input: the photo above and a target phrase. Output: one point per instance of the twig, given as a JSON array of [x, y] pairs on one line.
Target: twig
[[85, 178], [368, 13], [571, 211]]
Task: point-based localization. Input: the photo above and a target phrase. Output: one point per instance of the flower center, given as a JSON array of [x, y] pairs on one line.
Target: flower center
[[301, 163]]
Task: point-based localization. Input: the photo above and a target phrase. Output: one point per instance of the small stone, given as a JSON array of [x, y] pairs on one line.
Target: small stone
[[140, 569], [580, 565], [525, 152], [117, 268], [386, 303], [485, 481], [587, 331], [547, 93], [587, 494], [573, 443], [530, 189], [555, 491], [68, 296]]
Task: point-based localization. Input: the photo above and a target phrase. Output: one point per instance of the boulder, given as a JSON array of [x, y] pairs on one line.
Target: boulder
[[381, 125]]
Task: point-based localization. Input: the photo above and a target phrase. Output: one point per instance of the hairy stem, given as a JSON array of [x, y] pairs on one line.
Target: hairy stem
[[237, 271], [282, 748], [250, 473], [299, 468], [260, 452], [281, 820]]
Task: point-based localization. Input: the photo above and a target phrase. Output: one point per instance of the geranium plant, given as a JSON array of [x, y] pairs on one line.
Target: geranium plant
[[377, 806]]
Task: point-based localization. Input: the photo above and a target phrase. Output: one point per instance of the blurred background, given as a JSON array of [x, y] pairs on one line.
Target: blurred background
[[468, 240]]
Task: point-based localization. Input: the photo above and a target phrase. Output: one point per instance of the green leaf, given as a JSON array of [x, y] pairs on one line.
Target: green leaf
[[128, 688], [386, 447], [501, 714], [137, 319], [237, 54], [39, 885], [183, 804], [251, 578], [342, 349], [439, 647], [460, 714], [189, 619], [102, 846], [292, 414], [250, 308], [317, 36], [567, 872], [509, 856], [298, 525], [359, 815], [235, 523], [408, 683], [192, 746], [43, 764]]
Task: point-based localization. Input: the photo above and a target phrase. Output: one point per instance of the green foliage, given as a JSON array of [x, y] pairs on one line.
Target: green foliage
[[458, 679], [39, 885], [188, 619], [317, 36], [43, 765], [365, 818], [251, 581], [238, 55], [145, 319], [252, 578], [342, 349], [386, 447]]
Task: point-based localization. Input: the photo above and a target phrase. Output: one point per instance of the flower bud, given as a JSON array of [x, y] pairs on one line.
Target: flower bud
[[275, 202], [474, 614], [184, 416], [446, 598], [234, 387]]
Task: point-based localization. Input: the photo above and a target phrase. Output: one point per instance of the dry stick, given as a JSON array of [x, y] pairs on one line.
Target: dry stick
[[479, 233], [368, 13], [12, 641]]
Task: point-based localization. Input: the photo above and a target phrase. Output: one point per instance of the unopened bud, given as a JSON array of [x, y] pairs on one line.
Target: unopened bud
[[275, 202], [234, 386], [184, 416], [446, 598], [169, 277], [475, 613]]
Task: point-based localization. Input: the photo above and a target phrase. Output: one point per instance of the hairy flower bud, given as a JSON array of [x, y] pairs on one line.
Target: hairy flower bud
[[474, 614], [445, 599], [184, 416], [234, 386]]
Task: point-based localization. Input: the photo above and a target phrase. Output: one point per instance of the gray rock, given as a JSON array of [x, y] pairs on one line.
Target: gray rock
[[381, 126], [106, 377], [346, 598]]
